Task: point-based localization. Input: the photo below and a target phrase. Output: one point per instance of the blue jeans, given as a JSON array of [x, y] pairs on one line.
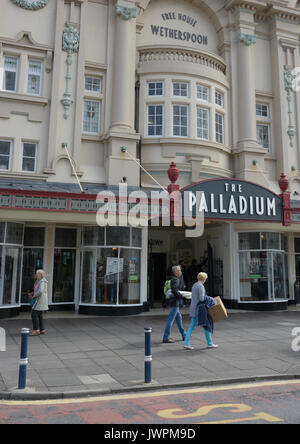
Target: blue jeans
[[174, 315], [190, 331]]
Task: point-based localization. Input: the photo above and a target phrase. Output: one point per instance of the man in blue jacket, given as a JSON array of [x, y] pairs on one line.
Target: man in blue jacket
[[176, 302]]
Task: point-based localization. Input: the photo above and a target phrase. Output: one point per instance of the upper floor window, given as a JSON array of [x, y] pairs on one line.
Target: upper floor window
[[155, 89], [29, 157], [155, 114], [263, 135], [10, 73], [5, 155], [202, 123], [203, 93], [34, 81], [219, 99], [219, 128], [263, 125], [180, 89], [91, 116], [262, 110], [93, 84], [180, 120]]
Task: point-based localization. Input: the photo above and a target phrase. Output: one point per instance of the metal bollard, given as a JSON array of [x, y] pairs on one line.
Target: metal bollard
[[148, 356], [23, 358]]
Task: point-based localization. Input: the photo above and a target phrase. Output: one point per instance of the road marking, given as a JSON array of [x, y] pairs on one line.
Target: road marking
[[203, 411], [206, 410], [150, 395], [261, 415]]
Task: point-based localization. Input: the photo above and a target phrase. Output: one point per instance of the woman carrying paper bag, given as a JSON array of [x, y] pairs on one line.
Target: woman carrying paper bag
[[199, 313]]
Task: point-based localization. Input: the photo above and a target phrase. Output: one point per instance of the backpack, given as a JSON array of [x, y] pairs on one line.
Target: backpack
[[167, 290]]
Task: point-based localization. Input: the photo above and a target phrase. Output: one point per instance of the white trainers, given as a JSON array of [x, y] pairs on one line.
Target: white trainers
[[213, 346], [188, 347]]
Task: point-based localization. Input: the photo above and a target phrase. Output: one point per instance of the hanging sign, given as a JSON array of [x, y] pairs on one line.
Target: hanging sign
[[232, 199]]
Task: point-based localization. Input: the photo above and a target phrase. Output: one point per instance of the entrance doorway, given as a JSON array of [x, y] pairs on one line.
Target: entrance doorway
[[158, 269]]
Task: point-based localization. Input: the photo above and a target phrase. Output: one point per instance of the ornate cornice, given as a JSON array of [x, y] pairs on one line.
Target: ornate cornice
[[31, 5]]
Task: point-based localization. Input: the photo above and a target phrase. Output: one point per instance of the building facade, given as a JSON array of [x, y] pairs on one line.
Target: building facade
[[90, 88]]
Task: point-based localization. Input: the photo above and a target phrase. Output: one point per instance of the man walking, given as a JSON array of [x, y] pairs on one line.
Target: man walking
[[175, 303]]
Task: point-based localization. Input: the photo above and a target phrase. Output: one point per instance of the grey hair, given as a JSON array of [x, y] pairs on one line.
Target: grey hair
[[175, 268]]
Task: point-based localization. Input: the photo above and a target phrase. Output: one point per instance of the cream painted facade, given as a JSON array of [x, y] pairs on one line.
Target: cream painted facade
[[205, 84]]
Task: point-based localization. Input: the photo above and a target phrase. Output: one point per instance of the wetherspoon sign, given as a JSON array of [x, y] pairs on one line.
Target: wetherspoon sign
[[168, 29], [233, 199]]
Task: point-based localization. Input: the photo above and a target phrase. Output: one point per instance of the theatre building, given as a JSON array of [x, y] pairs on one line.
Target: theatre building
[[197, 96]]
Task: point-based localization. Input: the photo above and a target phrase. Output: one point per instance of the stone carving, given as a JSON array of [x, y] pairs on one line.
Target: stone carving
[[70, 44], [125, 12], [31, 5], [247, 39], [289, 78]]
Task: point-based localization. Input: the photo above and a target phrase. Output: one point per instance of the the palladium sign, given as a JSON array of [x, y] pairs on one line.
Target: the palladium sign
[[232, 199]]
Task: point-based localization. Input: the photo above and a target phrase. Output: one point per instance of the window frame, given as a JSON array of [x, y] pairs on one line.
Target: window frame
[[221, 95], [268, 126], [9, 155], [207, 110], [29, 157], [261, 116], [187, 84], [208, 88], [156, 82], [155, 125], [93, 77], [41, 76], [181, 105], [217, 113], [16, 71], [99, 103]]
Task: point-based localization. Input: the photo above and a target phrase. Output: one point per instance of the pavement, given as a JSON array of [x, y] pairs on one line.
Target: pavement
[[82, 355]]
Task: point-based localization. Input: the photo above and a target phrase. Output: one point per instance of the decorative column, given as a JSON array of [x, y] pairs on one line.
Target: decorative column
[[121, 130], [246, 91], [286, 200], [124, 69]]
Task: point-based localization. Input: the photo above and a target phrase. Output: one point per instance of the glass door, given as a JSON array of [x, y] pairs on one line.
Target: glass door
[[64, 275]]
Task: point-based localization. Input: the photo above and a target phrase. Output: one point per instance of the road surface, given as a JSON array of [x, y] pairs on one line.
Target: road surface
[[273, 402]]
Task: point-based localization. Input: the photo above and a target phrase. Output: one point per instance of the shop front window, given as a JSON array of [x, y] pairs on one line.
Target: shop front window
[[110, 271], [130, 277], [262, 267], [33, 258], [11, 241], [64, 265]]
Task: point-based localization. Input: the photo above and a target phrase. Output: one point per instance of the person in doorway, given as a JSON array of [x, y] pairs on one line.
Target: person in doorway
[[40, 297], [169, 271], [199, 313], [203, 262], [176, 302], [182, 279], [192, 273]]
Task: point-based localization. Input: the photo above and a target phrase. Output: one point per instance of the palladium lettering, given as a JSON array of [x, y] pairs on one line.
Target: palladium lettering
[[233, 204]]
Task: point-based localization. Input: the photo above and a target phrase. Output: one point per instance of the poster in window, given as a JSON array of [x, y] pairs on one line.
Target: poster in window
[[133, 269]]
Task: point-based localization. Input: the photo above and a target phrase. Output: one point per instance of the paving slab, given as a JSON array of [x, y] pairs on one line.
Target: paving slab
[[81, 353]]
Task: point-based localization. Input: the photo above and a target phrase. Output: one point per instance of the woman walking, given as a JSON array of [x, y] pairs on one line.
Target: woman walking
[[40, 297], [199, 313]]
